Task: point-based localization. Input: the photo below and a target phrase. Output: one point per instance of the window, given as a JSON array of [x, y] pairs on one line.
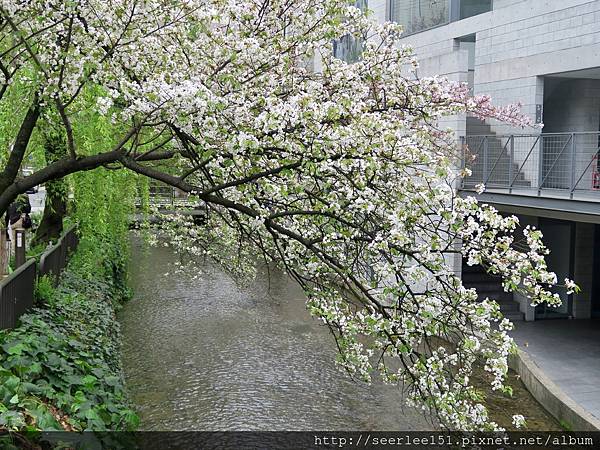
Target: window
[[470, 8], [418, 15], [349, 48]]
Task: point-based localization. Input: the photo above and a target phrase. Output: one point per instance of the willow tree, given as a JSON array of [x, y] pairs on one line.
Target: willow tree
[[339, 173]]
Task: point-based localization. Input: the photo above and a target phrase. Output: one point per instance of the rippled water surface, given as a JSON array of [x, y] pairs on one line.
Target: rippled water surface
[[207, 355]]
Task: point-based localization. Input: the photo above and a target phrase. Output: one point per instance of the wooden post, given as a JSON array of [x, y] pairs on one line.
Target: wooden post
[[4, 253], [19, 247]]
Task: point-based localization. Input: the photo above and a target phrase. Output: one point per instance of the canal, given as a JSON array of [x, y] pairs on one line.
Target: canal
[[204, 354]]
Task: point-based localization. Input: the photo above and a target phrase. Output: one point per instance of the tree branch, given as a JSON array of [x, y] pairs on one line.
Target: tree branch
[[251, 178], [20, 146]]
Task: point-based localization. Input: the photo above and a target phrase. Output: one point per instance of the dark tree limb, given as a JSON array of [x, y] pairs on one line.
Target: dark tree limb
[[15, 159], [51, 226]]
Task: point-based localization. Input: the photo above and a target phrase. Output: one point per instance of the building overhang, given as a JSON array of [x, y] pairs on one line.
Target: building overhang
[[578, 210]]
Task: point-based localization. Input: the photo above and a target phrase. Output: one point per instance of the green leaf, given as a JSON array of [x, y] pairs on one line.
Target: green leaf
[[112, 380], [44, 419], [12, 383], [15, 349]]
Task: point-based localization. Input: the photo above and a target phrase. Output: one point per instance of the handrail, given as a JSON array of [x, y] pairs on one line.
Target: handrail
[[497, 159], [526, 158], [595, 157], [565, 161], [570, 141], [562, 133]]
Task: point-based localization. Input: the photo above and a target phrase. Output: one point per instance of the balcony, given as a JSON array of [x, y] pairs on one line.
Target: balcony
[[549, 167]]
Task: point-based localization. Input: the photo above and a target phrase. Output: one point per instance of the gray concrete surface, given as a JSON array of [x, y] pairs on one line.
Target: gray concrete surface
[[517, 44], [568, 352]]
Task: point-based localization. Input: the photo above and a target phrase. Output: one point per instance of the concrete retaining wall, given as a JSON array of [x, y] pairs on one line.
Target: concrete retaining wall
[[550, 396]]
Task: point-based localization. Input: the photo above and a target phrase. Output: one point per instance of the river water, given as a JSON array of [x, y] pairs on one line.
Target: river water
[[205, 354]]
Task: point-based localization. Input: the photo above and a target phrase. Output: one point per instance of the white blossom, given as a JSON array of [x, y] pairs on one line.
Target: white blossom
[[341, 176]]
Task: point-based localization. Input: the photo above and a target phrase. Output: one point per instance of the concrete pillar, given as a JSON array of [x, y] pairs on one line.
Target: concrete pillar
[[455, 260], [583, 269]]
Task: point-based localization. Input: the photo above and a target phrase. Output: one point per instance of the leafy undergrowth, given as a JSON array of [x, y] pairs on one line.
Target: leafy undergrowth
[[60, 369]]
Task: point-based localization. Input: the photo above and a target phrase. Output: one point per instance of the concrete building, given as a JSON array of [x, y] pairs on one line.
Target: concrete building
[[544, 54]]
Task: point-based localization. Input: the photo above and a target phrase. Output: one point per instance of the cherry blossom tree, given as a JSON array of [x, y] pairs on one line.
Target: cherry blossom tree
[[337, 172]]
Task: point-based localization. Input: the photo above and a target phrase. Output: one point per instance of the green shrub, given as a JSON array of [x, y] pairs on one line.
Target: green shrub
[[44, 290], [60, 369]]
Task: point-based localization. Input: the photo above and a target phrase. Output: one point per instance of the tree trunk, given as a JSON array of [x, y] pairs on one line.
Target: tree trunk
[[4, 253], [55, 209]]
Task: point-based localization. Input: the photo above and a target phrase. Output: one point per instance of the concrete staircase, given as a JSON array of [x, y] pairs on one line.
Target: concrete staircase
[[500, 173], [490, 286]]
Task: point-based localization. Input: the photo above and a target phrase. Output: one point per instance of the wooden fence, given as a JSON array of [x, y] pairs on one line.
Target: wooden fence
[[17, 290], [55, 259], [16, 294]]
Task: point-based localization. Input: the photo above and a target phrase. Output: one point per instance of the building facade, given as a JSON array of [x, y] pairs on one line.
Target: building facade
[[544, 54]]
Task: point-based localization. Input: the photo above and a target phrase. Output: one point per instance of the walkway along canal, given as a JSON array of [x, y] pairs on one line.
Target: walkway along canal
[[206, 355]]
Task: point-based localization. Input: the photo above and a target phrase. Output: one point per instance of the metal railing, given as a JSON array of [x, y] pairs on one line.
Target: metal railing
[[163, 196], [55, 259], [16, 294], [563, 162]]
